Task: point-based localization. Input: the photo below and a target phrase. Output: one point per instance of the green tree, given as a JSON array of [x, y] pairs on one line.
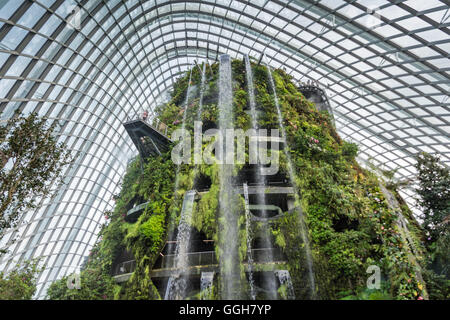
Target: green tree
[[31, 161], [20, 283], [94, 285], [434, 193], [434, 182]]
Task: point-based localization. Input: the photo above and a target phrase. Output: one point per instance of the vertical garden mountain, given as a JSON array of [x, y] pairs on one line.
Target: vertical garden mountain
[[310, 231]]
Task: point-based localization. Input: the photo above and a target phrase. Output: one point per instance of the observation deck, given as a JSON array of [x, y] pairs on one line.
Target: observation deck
[[204, 261], [314, 93], [148, 140], [134, 213]]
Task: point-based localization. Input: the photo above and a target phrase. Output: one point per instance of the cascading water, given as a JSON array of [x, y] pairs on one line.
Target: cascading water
[[251, 92], [170, 285], [172, 280], [249, 244], [291, 177], [197, 125], [285, 280], [206, 282], [260, 186], [228, 222], [177, 283], [202, 90], [183, 125]]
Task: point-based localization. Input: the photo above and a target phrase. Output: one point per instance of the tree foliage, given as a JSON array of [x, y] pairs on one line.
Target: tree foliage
[[20, 283], [31, 162], [350, 224], [94, 285], [434, 192]]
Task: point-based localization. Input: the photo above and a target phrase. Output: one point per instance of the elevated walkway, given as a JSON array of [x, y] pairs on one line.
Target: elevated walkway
[[134, 213], [204, 262], [316, 95], [267, 190], [148, 140]]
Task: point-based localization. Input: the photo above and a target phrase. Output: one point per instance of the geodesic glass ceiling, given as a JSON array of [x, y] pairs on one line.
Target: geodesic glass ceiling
[[90, 64]]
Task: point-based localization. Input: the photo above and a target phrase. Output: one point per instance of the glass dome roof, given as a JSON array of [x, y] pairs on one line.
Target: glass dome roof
[[90, 64]]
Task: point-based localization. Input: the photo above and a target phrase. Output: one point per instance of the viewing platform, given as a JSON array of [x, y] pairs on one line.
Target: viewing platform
[[205, 261], [148, 140], [314, 93], [267, 190], [134, 213]]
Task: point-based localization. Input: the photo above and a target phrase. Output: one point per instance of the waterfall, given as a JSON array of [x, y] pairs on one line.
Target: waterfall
[[183, 124], [183, 127], [251, 91], [261, 184], [169, 287], [290, 169], [407, 240], [249, 245], [177, 283], [177, 181], [228, 221], [206, 282], [285, 280], [202, 90], [197, 124]]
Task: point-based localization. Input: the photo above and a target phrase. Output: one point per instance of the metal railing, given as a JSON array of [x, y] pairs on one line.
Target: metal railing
[[203, 258], [161, 127], [194, 259], [268, 255], [125, 267], [209, 257], [138, 207]]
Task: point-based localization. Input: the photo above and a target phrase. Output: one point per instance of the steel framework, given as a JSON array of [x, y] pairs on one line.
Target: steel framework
[[88, 64]]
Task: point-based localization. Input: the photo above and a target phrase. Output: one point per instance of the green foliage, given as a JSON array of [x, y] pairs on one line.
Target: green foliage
[[349, 150], [350, 225], [144, 239], [438, 286], [342, 212], [31, 163], [94, 285], [280, 241], [204, 214], [363, 293], [19, 283], [153, 230], [434, 192]]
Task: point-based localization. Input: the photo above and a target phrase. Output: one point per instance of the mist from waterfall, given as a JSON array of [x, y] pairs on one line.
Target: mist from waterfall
[[202, 91], [228, 221], [303, 228], [285, 280], [178, 284], [268, 277], [206, 283], [251, 283], [171, 281]]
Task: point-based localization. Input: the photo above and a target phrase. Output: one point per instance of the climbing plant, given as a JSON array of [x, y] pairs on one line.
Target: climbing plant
[[341, 213]]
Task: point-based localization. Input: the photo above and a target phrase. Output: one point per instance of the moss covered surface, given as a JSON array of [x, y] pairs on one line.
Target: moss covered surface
[[348, 222]]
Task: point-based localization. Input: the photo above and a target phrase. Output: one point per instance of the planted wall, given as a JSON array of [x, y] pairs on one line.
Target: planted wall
[[349, 223]]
